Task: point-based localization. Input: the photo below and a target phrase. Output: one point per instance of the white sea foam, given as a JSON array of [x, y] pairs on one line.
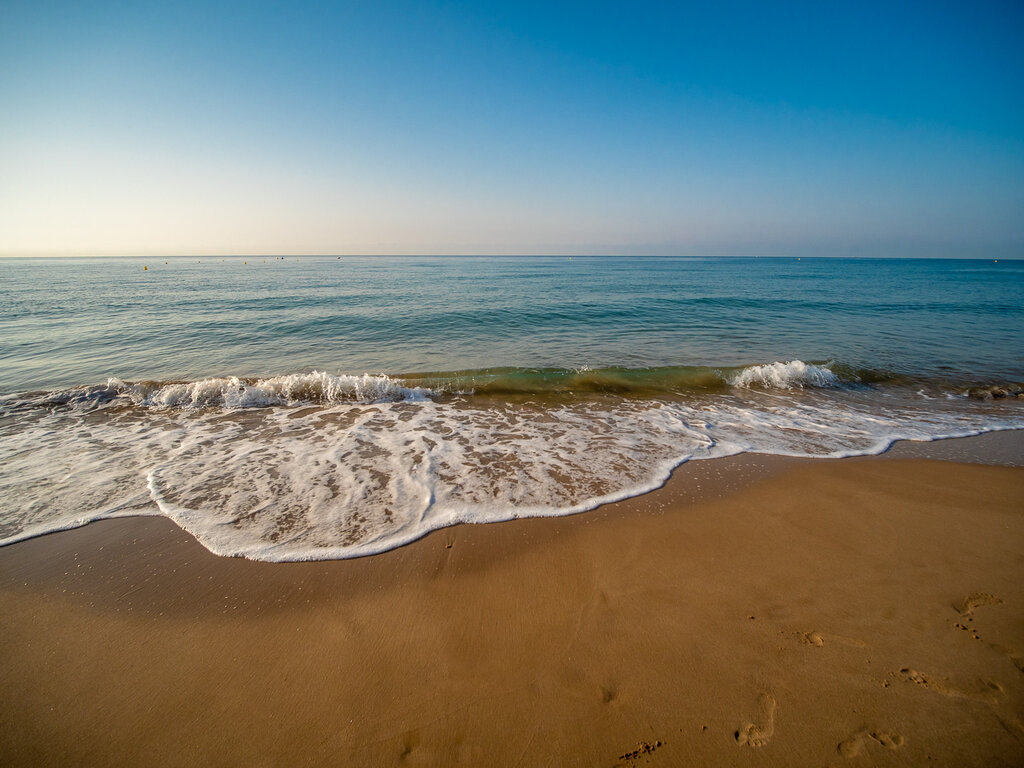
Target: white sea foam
[[353, 478], [794, 374], [233, 392]]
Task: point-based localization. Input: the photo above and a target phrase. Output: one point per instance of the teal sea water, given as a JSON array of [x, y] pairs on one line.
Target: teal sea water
[[297, 408]]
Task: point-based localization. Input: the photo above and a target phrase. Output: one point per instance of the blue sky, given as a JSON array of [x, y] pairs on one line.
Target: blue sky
[[867, 129]]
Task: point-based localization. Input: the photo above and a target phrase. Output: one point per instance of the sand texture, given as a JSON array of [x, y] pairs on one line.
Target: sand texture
[[755, 611]]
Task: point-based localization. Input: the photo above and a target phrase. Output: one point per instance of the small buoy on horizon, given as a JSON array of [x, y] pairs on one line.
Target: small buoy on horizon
[[165, 262], [245, 262], [145, 269]]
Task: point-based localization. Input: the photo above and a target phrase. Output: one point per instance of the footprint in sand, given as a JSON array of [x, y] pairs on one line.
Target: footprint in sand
[[643, 749], [966, 610], [985, 690], [818, 640], [975, 600], [855, 744], [760, 733], [964, 628]]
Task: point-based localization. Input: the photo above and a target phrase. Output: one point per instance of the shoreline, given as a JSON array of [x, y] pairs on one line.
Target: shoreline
[[997, 447], [804, 611]]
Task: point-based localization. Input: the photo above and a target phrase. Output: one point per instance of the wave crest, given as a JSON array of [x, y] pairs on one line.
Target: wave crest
[[554, 384], [795, 374], [234, 392]]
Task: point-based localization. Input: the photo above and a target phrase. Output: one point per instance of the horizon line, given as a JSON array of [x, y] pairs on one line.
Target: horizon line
[[624, 255]]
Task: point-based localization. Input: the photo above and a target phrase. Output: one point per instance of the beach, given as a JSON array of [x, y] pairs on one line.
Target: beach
[[508, 386], [757, 610]]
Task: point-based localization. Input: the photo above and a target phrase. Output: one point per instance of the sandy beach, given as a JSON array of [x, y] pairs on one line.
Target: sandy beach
[[755, 611], [511, 385]]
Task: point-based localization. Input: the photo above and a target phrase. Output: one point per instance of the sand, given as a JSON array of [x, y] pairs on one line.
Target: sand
[[755, 611]]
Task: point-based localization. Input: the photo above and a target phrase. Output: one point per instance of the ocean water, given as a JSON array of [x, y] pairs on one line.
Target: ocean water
[[315, 408]]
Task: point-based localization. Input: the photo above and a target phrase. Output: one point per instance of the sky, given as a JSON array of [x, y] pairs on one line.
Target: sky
[[785, 128]]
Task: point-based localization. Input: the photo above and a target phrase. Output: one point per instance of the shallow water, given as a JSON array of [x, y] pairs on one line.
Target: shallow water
[[319, 408]]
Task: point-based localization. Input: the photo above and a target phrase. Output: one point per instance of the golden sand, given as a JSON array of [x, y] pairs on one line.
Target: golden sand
[[755, 611]]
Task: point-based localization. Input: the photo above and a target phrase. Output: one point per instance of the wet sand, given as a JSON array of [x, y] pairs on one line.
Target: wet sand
[[755, 611]]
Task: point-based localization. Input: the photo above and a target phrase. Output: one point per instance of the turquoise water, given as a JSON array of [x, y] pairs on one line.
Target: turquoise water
[[73, 322], [322, 407]]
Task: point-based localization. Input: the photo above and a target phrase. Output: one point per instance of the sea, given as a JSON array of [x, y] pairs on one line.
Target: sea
[[283, 408]]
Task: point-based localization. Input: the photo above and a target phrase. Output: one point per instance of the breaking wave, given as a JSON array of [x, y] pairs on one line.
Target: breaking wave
[[794, 374], [321, 388], [321, 466], [235, 392]]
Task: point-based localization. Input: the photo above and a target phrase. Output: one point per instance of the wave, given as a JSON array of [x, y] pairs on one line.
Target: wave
[[383, 460], [794, 374], [318, 387], [235, 392], [496, 384]]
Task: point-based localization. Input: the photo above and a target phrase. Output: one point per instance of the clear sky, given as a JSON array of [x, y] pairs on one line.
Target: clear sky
[[860, 128]]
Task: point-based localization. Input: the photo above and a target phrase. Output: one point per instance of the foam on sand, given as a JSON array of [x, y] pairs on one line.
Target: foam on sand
[[351, 466]]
